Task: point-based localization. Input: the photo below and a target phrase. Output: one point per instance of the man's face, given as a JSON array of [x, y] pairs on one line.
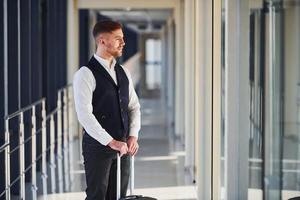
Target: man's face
[[113, 42]]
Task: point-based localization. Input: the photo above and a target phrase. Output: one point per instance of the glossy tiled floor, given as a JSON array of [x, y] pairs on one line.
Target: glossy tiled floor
[[159, 170]]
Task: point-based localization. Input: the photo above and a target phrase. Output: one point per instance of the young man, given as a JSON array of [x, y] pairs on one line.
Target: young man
[[109, 111]]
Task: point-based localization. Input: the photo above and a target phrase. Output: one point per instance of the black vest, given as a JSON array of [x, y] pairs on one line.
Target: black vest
[[110, 101]]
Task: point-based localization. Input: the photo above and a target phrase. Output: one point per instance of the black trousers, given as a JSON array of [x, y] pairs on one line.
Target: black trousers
[[100, 163]]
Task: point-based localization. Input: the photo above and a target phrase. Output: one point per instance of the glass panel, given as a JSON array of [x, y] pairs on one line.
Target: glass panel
[[256, 104], [274, 78], [273, 113], [276, 105], [291, 100]]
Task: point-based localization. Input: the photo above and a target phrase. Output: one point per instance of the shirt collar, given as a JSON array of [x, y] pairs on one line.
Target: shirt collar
[[105, 63]]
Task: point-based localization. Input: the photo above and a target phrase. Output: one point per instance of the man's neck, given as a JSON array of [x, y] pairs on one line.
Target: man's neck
[[107, 57]]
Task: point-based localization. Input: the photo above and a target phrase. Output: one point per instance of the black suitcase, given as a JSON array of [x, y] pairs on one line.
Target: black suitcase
[[130, 197], [137, 197]]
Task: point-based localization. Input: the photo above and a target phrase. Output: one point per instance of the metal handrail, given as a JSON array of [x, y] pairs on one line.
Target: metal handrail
[[48, 117], [2, 148], [22, 110], [69, 85], [62, 112], [21, 148]]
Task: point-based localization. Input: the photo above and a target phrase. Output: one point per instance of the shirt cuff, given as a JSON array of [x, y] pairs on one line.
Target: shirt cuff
[[106, 139], [134, 132]]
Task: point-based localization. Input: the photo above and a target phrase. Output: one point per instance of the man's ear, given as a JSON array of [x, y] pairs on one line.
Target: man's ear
[[99, 40]]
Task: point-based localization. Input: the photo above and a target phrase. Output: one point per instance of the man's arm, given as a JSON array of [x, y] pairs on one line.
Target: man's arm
[[84, 85], [134, 117]]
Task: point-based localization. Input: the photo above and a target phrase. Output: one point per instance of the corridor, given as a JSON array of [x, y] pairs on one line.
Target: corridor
[[218, 82]]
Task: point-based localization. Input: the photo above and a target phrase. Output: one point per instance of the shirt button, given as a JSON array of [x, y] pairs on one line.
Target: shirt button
[[120, 100], [119, 91]]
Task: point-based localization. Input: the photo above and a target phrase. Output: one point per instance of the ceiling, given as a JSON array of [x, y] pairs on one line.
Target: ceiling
[[140, 20]]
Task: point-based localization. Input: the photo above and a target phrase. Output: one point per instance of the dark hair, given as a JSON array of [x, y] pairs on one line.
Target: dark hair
[[105, 26]]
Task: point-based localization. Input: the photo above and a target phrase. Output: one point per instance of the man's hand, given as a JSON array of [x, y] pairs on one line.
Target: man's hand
[[132, 144], [119, 146]]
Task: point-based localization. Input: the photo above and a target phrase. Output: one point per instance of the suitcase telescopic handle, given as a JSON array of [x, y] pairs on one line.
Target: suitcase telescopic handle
[[119, 176]]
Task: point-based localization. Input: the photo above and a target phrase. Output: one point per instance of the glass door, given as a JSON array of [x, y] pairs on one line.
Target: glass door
[[274, 80], [256, 82], [273, 64], [290, 95], [274, 98]]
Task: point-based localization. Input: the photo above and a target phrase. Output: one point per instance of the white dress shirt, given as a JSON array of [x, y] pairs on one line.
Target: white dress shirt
[[84, 84]]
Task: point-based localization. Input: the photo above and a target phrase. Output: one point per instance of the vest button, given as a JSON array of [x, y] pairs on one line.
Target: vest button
[[120, 100]]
